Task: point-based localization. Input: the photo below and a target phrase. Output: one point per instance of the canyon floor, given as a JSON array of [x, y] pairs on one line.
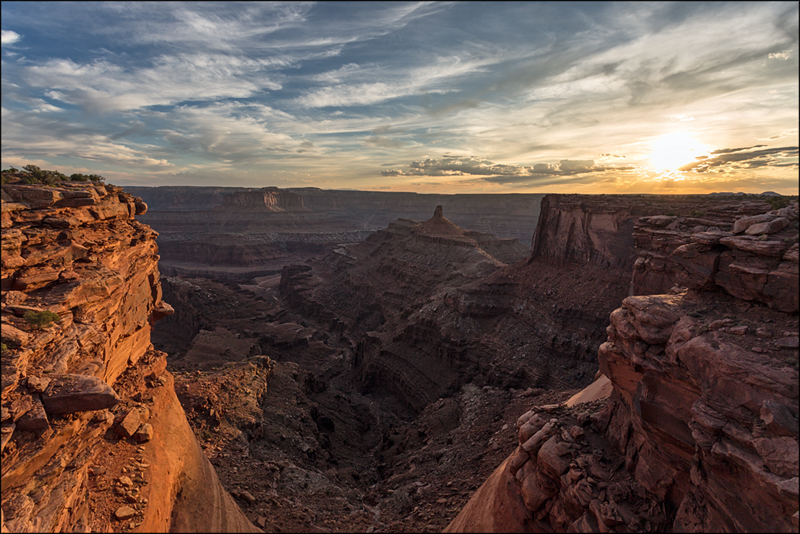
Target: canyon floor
[[282, 419]]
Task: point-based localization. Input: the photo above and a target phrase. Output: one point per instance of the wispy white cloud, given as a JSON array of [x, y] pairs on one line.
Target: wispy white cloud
[[102, 86]]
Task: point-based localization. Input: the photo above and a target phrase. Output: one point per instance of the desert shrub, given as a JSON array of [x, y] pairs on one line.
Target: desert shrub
[[778, 202], [696, 213], [34, 175], [80, 177], [3, 348], [41, 319]]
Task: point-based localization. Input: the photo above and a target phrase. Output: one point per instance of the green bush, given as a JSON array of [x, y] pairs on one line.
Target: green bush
[[41, 319], [33, 175]]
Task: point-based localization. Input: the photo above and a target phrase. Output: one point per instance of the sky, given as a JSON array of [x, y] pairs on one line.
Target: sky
[[441, 97]]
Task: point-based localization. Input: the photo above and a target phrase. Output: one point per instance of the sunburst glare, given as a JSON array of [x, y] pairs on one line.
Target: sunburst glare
[[671, 151]]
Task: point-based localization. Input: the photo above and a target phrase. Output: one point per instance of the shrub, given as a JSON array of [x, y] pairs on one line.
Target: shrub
[[778, 202], [32, 174], [3, 348], [696, 213], [41, 319], [80, 177]]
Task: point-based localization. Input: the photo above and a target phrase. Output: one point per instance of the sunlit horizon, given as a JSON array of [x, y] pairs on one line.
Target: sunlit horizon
[[450, 97]]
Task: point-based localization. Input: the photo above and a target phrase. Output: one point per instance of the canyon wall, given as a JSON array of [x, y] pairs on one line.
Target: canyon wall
[[93, 435], [237, 234], [693, 423]]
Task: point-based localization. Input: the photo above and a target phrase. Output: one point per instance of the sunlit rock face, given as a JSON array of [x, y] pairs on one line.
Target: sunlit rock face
[[696, 427], [80, 292]]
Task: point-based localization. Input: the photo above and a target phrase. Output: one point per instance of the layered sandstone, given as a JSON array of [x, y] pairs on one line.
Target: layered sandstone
[[699, 429], [93, 435], [237, 234], [746, 249]]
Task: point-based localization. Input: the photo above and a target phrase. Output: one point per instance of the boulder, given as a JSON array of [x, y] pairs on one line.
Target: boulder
[[70, 393], [132, 421], [746, 222], [145, 433], [124, 512], [38, 385], [13, 337], [35, 419], [768, 227]]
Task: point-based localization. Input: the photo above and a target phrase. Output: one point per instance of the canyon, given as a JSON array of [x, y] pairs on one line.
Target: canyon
[[272, 228], [352, 361]]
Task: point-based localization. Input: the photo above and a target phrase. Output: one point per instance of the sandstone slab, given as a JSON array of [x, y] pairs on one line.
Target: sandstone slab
[[70, 393], [768, 227], [13, 337], [6, 431], [756, 246], [746, 222]]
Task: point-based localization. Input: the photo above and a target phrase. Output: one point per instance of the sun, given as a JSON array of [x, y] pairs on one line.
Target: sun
[[670, 152]]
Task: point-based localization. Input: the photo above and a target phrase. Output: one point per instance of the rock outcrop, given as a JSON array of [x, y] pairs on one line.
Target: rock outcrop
[[388, 294], [698, 431], [749, 252], [94, 437]]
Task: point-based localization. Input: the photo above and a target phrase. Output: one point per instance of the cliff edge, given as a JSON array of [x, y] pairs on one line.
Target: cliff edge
[[698, 431], [93, 435]]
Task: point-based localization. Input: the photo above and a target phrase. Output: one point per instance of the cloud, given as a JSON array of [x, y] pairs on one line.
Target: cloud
[[558, 93], [102, 87], [437, 76], [731, 150], [40, 136], [8, 37], [336, 76], [780, 55], [381, 141], [745, 158], [500, 173]]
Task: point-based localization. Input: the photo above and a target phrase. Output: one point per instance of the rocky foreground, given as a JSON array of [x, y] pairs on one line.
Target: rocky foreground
[[93, 435]]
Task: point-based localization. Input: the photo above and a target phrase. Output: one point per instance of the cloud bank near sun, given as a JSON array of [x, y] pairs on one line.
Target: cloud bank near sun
[[445, 97]]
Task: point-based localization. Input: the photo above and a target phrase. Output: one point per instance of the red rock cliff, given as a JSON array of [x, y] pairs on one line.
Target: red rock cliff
[[93, 435], [693, 424]]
